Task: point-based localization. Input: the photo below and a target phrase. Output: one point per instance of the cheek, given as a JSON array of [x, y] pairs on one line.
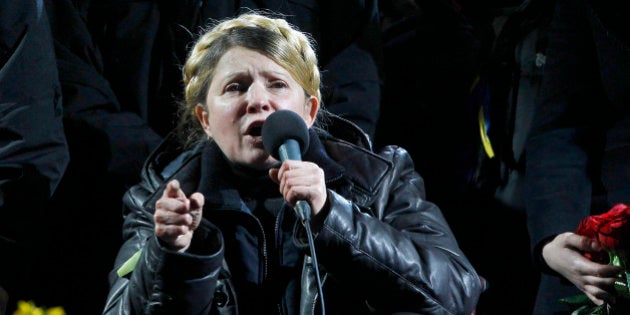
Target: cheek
[[221, 122], [217, 113], [214, 127]]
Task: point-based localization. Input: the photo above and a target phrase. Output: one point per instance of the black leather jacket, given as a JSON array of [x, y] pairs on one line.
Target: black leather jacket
[[381, 249]]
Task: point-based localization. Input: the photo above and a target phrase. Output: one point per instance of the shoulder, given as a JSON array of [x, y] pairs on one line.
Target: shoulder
[[367, 168], [350, 147]]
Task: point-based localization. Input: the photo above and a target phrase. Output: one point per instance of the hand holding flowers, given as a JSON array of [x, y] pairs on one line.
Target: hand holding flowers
[[611, 230]]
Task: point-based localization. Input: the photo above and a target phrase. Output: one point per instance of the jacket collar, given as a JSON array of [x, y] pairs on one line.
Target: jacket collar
[[219, 184]]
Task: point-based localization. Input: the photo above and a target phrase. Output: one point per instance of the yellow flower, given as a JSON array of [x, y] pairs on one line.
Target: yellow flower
[[57, 310], [25, 308], [29, 308]]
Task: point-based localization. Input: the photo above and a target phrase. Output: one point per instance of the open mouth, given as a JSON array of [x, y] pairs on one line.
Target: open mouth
[[255, 130]]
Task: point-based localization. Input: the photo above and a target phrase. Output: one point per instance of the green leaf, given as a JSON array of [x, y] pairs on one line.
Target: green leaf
[[129, 265], [577, 300], [581, 311], [601, 310], [589, 310], [622, 287]]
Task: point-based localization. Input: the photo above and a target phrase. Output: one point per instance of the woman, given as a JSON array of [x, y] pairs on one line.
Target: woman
[[210, 227]]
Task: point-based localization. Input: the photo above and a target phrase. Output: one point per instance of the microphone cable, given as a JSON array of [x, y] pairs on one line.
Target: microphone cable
[[304, 211], [286, 137]]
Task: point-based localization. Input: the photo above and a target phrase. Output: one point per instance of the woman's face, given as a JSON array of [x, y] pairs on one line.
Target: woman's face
[[246, 88]]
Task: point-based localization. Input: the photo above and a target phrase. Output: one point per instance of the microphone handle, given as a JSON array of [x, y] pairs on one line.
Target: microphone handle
[[290, 150]]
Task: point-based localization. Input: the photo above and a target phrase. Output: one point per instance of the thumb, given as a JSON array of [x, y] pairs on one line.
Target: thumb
[[273, 174], [197, 201]]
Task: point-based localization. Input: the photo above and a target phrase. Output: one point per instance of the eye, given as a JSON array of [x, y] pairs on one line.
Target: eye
[[235, 87], [278, 84]]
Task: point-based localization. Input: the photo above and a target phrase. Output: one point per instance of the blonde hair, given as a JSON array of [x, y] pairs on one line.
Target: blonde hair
[[273, 37]]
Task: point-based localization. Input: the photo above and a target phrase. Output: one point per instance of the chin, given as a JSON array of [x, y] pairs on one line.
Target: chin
[[260, 162]]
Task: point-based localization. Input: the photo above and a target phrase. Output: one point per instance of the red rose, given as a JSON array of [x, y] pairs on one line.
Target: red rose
[[611, 229], [589, 226]]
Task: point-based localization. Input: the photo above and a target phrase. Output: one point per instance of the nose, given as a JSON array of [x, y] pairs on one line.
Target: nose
[[258, 98]]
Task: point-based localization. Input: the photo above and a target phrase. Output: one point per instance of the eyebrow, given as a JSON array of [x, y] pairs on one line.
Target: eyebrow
[[235, 74]]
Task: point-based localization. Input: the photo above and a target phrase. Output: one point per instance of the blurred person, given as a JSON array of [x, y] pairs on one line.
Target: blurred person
[[578, 149], [144, 44], [467, 63], [33, 148], [106, 146]]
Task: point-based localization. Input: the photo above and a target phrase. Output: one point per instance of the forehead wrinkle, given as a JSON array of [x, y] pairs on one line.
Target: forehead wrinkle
[[247, 72]]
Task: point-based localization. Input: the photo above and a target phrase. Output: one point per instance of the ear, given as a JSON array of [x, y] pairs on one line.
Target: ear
[[310, 110], [202, 115]]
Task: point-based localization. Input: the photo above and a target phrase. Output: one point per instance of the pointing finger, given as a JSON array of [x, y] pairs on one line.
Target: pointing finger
[[173, 190]]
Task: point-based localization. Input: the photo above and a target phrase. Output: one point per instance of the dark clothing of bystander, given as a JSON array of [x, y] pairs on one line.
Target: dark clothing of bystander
[[579, 150], [33, 149]]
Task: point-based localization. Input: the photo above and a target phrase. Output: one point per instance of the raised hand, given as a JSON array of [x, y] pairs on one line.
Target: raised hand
[[177, 216]]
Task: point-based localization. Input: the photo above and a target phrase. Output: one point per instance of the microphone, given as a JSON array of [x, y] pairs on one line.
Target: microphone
[[285, 137]]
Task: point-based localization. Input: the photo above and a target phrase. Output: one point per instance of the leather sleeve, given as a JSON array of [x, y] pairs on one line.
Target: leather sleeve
[[403, 256], [162, 282]]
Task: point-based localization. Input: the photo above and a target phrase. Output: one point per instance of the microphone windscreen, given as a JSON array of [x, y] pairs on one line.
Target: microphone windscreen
[[281, 126]]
